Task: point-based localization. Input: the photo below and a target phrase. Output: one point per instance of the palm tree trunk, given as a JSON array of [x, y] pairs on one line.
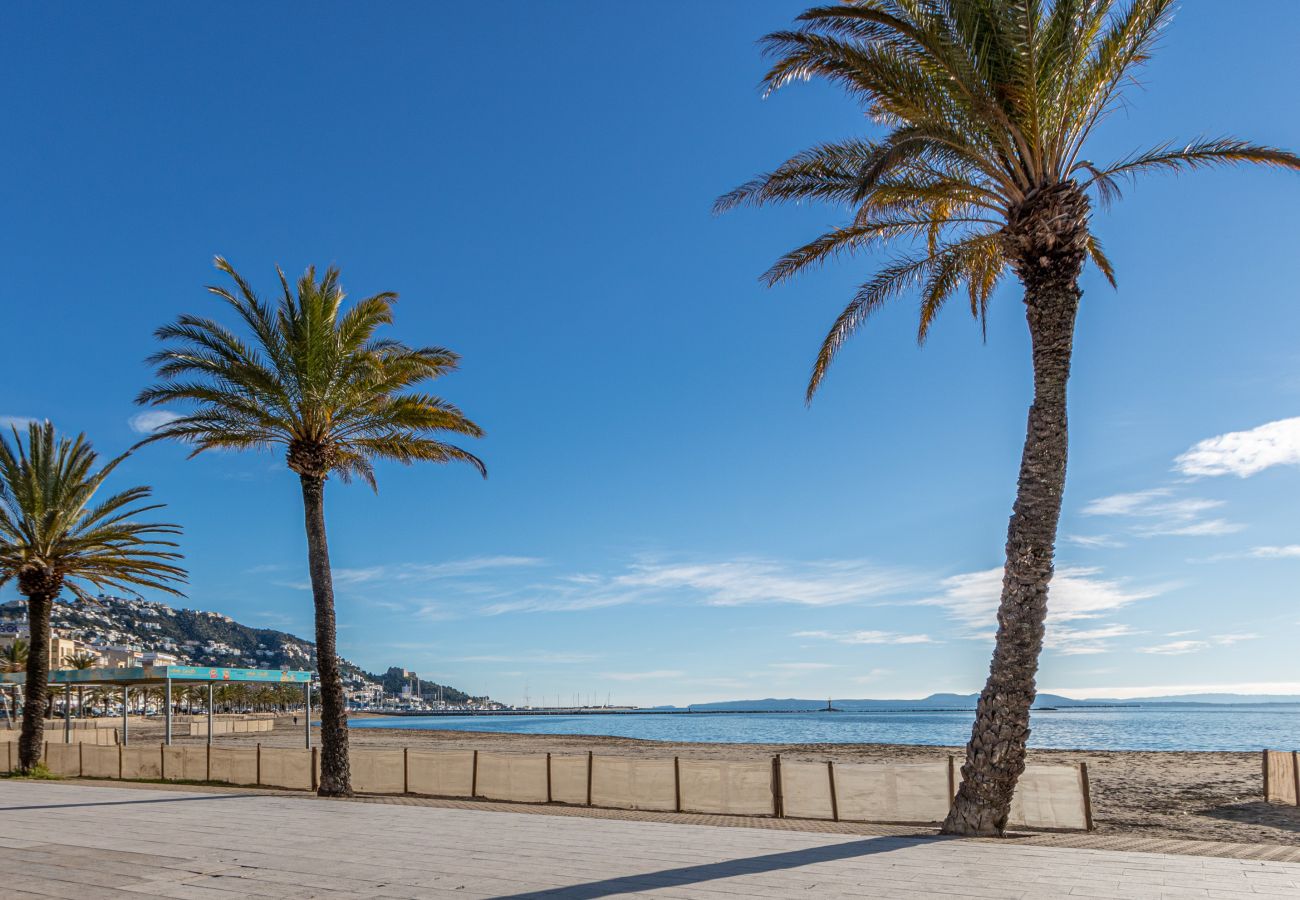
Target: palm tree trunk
[[36, 689], [995, 756], [335, 772]]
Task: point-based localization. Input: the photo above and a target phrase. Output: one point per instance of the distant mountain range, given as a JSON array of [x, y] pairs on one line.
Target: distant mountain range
[[969, 701]]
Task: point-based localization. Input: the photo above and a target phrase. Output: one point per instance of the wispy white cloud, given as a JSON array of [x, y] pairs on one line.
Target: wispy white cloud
[[873, 675], [413, 573], [1076, 594], [1289, 551], [428, 612], [755, 581], [457, 568], [1203, 528], [802, 666], [1092, 541], [1228, 640], [542, 599], [546, 658], [866, 637], [1164, 513], [1161, 690], [1177, 648], [727, 582], [1083, 641], [151, 420], [19, 422], [1244, 453], [1135, 503], [652, 675], [265, 569]]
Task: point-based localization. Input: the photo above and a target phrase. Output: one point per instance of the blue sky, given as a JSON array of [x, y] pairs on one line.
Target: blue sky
[[665, 521]]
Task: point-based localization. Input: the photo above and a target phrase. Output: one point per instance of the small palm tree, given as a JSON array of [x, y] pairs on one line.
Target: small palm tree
[[194, 694], [985, 109], [314, 380], [101, 696], [52, 538], [81, 660], [13, 658]]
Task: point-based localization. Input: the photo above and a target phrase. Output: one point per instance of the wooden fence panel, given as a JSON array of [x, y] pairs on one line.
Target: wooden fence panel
[[1280, 776], [440, 773], [98, 761], [512, 776], [569, 779], [727, 787], [624, 782]]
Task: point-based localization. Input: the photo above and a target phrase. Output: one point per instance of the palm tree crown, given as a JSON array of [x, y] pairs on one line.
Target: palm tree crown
[[313, 379], [986, 108], [51, 536]]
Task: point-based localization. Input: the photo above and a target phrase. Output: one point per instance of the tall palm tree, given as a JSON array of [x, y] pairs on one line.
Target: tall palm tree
[[52, 538], [984, 110], [82, 659], [313, 379]]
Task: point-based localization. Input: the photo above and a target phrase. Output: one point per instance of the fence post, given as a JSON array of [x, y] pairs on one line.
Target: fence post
[[590, 760], [81, 760], [162, 762], [259, 763], [473, 779], [835, 800], [315, 784], [677, 784], [1295, 774], [778, 801], [952, 782], [406, 773], [548, 778], [1265, 754], [1087, 795], [208, 772], [119, 761]]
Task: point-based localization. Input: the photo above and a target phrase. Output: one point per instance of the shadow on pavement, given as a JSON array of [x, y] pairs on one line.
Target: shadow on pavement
[[771, 862]]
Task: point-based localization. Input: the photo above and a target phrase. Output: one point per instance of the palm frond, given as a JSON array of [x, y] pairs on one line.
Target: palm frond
[[1169, 157], [941, 273]]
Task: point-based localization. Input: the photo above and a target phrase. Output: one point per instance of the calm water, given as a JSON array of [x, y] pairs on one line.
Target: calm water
[[1148, 728]]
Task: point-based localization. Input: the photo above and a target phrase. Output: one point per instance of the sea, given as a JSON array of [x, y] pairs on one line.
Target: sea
[[1161, 727]]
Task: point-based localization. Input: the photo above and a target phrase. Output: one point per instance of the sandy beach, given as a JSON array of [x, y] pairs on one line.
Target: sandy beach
[[1188, 795]]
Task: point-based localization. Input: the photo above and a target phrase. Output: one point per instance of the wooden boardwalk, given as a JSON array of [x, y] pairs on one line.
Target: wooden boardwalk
[[80, 841]]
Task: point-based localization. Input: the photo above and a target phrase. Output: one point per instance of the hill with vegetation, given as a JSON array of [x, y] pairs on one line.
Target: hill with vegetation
[[201, 638]]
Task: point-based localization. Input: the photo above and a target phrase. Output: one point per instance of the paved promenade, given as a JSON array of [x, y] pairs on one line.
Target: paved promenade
[[79, 841]]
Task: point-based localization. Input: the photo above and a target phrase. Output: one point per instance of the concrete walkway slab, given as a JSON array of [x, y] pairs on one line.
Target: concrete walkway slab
[[79, 841]]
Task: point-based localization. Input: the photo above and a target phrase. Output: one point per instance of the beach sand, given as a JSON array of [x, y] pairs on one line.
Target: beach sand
[[1183, 794]]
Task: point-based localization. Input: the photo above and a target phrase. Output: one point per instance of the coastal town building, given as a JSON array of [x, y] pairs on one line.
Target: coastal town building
[[131, 632]]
